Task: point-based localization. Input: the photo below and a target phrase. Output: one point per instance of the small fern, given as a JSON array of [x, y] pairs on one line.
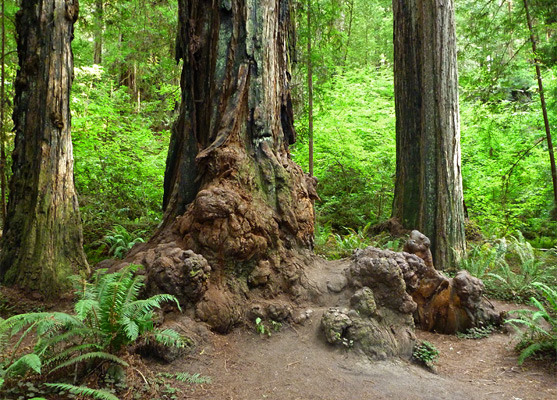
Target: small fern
[[23, 364], [119, 241], [536, 338], [187, 377], [107, 317], [83, 391]]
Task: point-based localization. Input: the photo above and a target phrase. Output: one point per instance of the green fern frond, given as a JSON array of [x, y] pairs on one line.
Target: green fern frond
[[70, 350], [18, 322], [83, 391], [143, 307], [169, 338], [132, 290], [187, 377], [84, 307], [550, 294], [90, 356], [531, 350], [23, 364], [131, 328], [84, 332]]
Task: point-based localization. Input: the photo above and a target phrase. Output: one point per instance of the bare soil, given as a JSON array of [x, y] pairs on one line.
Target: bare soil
[[296, 363]]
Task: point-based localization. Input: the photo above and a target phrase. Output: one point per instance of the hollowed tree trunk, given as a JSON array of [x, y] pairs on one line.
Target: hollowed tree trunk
[[232, 192], [42, 242], [428, 187]]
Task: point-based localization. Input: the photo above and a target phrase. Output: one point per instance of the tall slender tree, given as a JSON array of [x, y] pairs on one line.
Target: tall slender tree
[[2, 113], [533, 41], [42, 242], [310, 91], [428, 187]]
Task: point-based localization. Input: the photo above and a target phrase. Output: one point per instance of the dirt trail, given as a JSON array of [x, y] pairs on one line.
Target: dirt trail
[[296, 363]]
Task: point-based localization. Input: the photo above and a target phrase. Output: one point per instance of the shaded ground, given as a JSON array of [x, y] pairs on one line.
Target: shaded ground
[[296, 363]]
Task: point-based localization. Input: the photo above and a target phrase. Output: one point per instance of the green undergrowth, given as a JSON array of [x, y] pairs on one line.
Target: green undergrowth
[[537, 327], [57, 350], [334, 246], [425, 353], [478, 332], [510, 268]]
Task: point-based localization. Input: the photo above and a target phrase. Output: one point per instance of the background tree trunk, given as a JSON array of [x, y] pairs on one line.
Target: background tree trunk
[[544, 110], [42, 242], [98, 18], [232, 192], [428, 187]]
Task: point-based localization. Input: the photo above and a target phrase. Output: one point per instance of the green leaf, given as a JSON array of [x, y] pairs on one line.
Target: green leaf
[[23, 364], [83, 391]]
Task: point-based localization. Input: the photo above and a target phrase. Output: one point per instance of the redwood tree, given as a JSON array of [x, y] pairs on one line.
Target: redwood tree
[[42, 242], [231, 191], [428, 187]]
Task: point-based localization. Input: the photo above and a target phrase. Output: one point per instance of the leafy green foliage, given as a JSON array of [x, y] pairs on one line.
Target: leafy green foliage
[[510, 268], [119, 156], [538, 337], [110, 304], [478, 332], [425, 353], [261, 328], [187, 377], [83, 391], [354, 148], [335, 246], [119, 241], [107, 317]]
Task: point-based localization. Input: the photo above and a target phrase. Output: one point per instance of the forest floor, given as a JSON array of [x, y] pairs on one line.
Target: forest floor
[[297, 363]]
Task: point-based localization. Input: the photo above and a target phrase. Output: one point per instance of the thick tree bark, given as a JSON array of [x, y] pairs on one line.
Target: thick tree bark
[[42, 242], [232, 192], [428, 187]]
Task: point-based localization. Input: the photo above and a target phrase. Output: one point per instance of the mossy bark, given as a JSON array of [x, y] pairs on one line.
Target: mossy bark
[[428, 187], [42, 242], [232, 192]]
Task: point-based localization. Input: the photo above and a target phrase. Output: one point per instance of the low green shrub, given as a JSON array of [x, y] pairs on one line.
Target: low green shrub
[[538, 338], [119, 241], [107, 317], [425, 353], [509, 268]]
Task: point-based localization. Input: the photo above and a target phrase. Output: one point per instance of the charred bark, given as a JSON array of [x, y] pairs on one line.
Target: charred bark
[[428, 187], [232, 193], [42, 242]]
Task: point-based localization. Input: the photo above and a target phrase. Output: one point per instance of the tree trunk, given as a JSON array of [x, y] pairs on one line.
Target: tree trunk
[[310, 93], [42, 242], [2, 108], [98, 18], [544, 111], [231, 191], [428, 187]]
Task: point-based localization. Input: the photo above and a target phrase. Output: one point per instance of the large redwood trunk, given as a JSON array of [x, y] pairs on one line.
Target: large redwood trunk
[[42, 243], [428, 187], [232, 192]]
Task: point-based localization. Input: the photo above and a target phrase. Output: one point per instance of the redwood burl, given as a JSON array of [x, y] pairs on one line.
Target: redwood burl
[[232, 193]]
